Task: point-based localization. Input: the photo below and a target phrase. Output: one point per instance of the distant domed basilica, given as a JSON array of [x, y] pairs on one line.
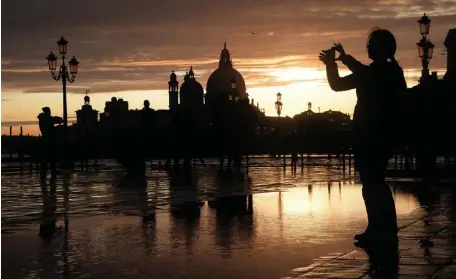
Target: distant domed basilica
[[189, 96], [219, 84], [219, 81]]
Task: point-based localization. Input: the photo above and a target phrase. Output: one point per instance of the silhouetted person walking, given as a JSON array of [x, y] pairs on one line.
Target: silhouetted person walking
[[378, 89], [48, 140], [148, 129]]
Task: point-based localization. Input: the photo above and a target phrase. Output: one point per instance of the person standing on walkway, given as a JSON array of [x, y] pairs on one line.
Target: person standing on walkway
[[378, 88], [47, 124]]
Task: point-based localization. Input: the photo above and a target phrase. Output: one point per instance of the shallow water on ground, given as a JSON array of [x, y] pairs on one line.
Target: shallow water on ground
[[202, 224]]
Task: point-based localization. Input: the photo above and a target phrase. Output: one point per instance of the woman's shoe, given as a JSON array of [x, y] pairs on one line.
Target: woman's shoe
[[361, 236], [372, 239]]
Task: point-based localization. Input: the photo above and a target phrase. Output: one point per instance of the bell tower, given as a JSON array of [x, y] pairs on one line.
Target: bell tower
[[87, 117], [173, 86]]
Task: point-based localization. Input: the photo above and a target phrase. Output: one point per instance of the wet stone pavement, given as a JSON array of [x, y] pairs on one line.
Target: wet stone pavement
[[427, 248], [267, 223]]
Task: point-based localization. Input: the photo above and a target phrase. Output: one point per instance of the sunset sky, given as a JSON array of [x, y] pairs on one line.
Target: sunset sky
[[129, 48]]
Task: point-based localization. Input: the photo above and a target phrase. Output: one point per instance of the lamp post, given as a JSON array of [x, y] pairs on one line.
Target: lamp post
[[330, 119], [279, 104], [425, 46], [63, 74]]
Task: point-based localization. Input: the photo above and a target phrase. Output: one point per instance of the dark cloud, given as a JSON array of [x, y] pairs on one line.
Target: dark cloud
[[134, 45]]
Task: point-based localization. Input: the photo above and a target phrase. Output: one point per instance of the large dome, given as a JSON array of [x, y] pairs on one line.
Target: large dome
[[219, 81]]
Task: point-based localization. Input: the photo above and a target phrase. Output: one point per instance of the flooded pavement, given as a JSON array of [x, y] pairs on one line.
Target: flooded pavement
[[202, 224]]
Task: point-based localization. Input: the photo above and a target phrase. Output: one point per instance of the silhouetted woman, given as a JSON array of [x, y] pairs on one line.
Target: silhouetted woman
[[378, 90]]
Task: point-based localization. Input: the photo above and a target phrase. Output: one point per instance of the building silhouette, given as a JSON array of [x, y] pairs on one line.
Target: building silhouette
[[86, 116]]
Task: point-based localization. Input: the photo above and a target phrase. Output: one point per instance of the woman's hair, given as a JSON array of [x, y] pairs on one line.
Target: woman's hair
[[384, 39]]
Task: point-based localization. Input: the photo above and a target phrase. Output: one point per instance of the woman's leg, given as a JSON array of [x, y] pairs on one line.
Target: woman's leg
[[377, 194], [364, 175]]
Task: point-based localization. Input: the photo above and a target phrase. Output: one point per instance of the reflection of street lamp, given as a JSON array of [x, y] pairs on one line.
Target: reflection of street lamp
[[278, 104], [63, 73], [425, 46]]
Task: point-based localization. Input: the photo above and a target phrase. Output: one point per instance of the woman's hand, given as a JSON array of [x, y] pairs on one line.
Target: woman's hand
[[327, 56], [339, 48]]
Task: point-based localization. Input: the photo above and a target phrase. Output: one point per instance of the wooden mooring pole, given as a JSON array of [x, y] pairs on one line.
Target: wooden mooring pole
[[343, 160], [20, 153], [11, 139]]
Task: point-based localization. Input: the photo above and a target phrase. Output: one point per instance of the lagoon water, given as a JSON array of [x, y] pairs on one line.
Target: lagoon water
[[203, 224]]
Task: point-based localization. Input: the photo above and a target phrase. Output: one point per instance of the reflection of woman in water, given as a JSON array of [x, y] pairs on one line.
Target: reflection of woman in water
[[378, 88]]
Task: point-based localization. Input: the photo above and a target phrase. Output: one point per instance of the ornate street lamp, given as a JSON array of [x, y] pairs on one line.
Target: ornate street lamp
[[279, 104], [425, 49], [425, 46], [63, 74], [425, 24]]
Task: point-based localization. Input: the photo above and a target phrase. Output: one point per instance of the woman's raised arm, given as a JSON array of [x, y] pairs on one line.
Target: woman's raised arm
[[338, 83]]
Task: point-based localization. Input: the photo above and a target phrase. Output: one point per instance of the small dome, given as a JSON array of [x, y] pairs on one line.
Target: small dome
[[86, 99], [191, 93], [113, 99], [192, 86]]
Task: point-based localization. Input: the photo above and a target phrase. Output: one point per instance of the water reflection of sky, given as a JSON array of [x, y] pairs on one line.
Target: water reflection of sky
[[265, 236]]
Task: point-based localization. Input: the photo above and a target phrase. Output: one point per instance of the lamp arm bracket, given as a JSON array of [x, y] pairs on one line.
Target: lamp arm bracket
[[56, 76], [69, 77]]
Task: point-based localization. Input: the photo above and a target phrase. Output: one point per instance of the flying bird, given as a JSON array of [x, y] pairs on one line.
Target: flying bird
[[254, 33]]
